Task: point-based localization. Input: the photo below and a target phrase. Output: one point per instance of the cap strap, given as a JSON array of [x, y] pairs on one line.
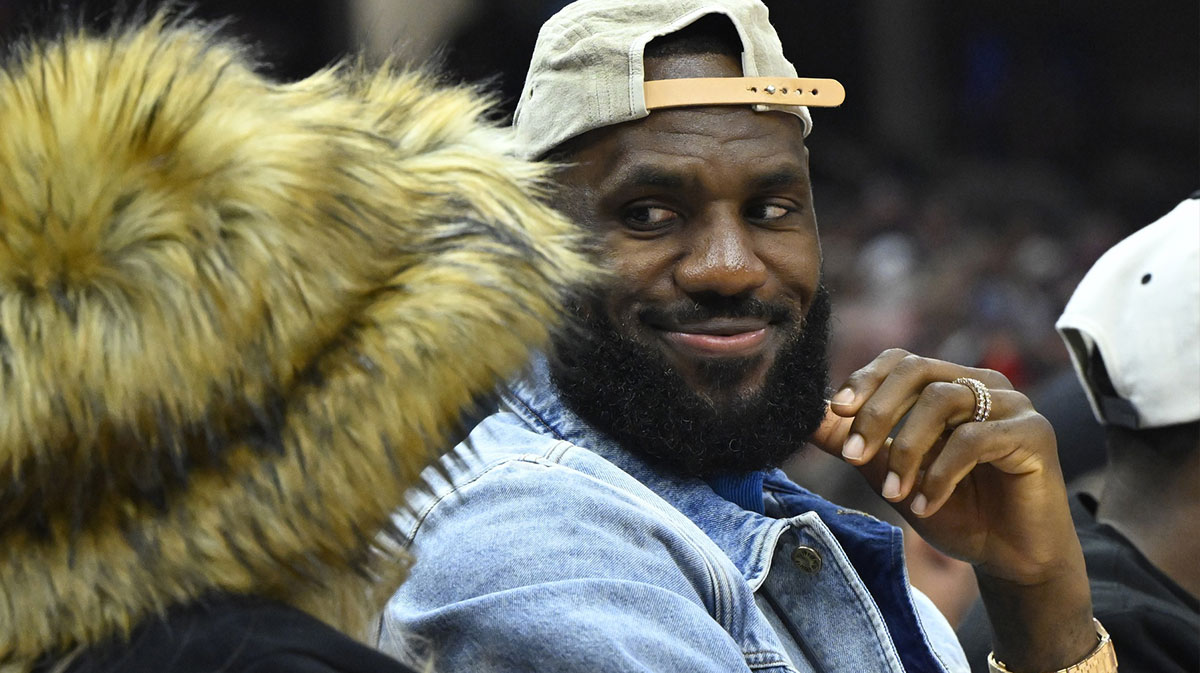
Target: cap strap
[[666, 93]]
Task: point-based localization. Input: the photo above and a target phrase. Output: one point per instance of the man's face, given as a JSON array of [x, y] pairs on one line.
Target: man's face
[[705, 215], [702, 205]]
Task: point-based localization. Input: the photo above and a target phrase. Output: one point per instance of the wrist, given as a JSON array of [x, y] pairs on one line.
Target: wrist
[[1040, 627], [1103, 659]]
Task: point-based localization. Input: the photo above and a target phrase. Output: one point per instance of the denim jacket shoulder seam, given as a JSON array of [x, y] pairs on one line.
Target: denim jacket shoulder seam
[[557, 451], [719, 583], [455, 487], [530, 413]]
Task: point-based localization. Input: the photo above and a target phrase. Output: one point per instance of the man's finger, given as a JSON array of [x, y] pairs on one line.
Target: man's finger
[[941, 407], [862, 383], [831, 435]]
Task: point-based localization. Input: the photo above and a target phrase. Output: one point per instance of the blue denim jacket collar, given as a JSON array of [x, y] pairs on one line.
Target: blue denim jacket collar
[[747, 538]]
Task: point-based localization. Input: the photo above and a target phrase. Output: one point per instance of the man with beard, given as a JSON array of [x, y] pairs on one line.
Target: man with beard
[[622, 510]]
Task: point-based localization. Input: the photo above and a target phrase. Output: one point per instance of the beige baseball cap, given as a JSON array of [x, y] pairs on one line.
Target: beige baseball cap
[[587, 71], [1139, 307]]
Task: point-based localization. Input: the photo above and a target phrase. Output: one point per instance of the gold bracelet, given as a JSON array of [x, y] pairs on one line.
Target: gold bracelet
[[1103, 659]]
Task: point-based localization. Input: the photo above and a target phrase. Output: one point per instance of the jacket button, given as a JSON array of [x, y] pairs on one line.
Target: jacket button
[[807, 559]]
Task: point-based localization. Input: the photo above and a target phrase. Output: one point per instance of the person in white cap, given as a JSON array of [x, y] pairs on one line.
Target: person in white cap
[[1133, 330], [622, 510]]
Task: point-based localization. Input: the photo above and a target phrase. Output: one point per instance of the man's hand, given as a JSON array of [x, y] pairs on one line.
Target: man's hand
[[990, 493]]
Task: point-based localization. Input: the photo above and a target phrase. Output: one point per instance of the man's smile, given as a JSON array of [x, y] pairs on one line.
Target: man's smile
[[738, 337]]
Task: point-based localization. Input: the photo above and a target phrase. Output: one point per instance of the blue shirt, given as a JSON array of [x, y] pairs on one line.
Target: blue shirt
[[542, 544]]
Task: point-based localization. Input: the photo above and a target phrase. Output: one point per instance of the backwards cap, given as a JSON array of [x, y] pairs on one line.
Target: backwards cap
[[1139, 308], [587, 70]]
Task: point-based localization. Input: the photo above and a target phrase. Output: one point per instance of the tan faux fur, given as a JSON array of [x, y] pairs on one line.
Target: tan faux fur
[[236, 317]]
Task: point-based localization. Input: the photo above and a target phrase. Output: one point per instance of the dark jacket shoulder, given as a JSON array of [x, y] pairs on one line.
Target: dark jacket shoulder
[[235, 635], [1154, 623]]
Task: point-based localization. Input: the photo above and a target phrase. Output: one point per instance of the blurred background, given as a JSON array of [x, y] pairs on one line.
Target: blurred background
[[987, 153]]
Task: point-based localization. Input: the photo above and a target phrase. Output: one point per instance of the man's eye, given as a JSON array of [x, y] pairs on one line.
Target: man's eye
[[768, 212], [649, 218]]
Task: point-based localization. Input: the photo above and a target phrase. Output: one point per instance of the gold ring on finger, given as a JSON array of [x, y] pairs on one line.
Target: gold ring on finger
[[983, 397]]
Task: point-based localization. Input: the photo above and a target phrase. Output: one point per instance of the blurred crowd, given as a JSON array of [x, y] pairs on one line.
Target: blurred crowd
[[972, 268]]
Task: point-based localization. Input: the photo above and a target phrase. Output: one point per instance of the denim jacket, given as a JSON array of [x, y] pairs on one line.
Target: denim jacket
[[542, 545]]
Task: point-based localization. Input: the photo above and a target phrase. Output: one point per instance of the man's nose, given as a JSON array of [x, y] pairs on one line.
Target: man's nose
[[721, 259]]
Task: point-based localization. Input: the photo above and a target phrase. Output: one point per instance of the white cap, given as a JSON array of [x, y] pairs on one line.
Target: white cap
[[1139, 306], [587, 71]]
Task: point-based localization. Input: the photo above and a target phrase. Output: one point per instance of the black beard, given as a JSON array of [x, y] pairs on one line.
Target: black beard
[[630, 392]]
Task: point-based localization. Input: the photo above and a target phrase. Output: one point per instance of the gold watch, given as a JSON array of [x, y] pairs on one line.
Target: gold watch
[[1103, 659]]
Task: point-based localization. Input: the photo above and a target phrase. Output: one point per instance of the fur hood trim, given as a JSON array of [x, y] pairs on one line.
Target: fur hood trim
[[236, 319]]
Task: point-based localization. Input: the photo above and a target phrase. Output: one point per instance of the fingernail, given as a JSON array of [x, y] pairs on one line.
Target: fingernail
[[844, 396], [891, 485], [919, 504], [854, 447]]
